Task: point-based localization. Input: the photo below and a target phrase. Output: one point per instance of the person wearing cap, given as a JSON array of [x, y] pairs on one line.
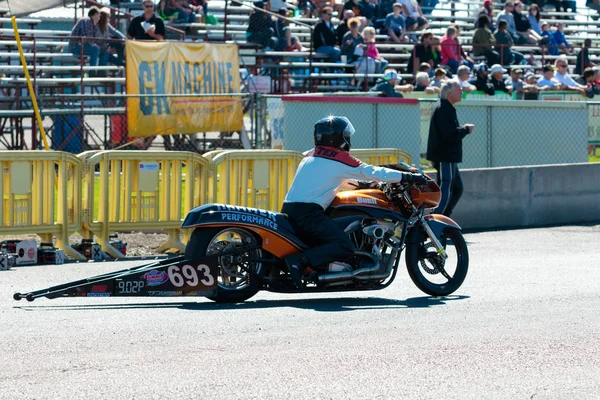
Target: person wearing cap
[[497, 79], [444, 146], [548, 81], [561, 65], [146, 26], [530, 89], [395, 24], [462, 77], [483, 41], [261, 28], [516, 83], [386, 86], [481, 81], [504, 42], [587, 79]]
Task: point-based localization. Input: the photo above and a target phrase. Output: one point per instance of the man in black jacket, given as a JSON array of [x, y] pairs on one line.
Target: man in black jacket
[[481, 81], [444, 146], [324, 36]]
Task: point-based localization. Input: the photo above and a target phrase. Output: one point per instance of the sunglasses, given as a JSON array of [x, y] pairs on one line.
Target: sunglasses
[[148, 5], [561, 66]]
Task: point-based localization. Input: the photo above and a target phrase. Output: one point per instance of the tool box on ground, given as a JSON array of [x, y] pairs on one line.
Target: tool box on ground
[[48, 254], [24, 251], [118, 244], [89, 249]]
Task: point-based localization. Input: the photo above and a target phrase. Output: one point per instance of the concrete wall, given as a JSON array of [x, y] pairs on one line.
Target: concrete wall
[[529, 196]]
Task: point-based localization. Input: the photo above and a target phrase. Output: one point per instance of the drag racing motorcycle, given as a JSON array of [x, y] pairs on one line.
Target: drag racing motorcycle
[[235, 252], [382, 222]]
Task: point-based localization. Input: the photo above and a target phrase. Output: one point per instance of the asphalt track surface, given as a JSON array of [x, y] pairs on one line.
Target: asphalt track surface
[[525, 325]]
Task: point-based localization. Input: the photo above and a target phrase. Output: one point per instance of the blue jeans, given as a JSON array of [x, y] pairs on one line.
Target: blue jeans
[[332, 52], [97, 58], [453, 65]]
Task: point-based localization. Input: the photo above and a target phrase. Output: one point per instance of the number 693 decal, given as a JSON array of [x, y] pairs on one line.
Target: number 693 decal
[[189, 275]]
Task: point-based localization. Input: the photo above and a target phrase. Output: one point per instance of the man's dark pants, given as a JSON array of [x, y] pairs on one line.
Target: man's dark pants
[[327, 241], [451, 184]]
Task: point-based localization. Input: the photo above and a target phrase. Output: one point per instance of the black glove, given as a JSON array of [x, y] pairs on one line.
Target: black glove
[[366, 184], [414, 178]]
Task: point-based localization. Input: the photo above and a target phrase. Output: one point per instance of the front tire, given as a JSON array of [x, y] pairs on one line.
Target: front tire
[[427, 270], [235, 283]]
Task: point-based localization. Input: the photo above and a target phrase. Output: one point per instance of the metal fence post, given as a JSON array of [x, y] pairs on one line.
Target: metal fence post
[[489, 136], [375, 133], [259, 121]]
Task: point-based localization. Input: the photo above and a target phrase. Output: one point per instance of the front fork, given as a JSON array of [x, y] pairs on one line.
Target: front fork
[[441, 251]]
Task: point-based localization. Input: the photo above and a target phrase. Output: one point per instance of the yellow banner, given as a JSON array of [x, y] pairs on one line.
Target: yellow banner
[[155, 68]]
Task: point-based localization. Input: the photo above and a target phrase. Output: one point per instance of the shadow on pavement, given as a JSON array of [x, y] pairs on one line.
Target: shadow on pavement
[[322, 305]]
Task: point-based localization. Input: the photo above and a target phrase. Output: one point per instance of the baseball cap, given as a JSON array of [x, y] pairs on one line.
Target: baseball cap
[[548, 68], [497, 68], [517, 70], [481, 67], [391, 75], [529, 75], [486, 2]]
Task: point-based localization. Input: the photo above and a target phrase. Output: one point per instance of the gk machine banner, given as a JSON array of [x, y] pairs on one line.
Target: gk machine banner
[[156, 68]]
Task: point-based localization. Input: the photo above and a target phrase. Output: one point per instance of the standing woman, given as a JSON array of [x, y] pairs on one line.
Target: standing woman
[[113, 51]]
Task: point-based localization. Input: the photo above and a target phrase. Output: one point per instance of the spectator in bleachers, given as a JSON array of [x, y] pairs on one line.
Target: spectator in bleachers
[[523, 26], [564, 4], [530, 89], [343, 27], [199, 7], [561, 39], [386, 86], [423, 84], [561, 64], [425, 67], [395, 25], [587, 79], [484, 40], [115, 51], [436, 50], [462, 77], [514, 81], [481, 79], [449, 46], [548, 81], [533, 16], [422, 52], [178, 11], [87, 27], [488, 9], [371, 51], [285, 40], [504, 38], [351, 41], [415, 20], [507, 15], [261, 27], [353, 6], [324, 36], [146, 26], [594, 5], [497, 79], [583, 58], [306, 7], [464, 57], [368, 10], [552, 45], [439, 77]]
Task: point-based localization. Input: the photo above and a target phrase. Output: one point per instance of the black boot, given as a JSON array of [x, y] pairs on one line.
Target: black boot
[[296, 264]]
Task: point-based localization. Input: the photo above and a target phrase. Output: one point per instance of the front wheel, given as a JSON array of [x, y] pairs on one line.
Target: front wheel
[[239, 248], [432, 274]]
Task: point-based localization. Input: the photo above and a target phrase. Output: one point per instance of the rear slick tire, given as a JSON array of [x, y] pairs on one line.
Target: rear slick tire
[[414, 254], [203, 242]]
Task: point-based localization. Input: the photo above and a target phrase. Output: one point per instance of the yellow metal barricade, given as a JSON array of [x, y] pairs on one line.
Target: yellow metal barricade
[[141, 190], [382, 156], [41, 194], [253, 178]]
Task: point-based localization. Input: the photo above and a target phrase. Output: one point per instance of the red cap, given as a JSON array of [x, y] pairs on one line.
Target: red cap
[[486, 2]]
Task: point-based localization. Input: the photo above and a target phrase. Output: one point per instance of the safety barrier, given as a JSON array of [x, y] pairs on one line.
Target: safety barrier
[[142, 190], [40, 194], [382, 156], [253, 178]]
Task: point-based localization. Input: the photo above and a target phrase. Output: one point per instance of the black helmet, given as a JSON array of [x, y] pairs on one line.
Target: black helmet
[[334, 132]]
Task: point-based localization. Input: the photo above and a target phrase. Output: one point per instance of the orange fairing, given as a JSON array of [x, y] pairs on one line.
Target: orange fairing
[[443, 219], [363, 198], [428, 195]]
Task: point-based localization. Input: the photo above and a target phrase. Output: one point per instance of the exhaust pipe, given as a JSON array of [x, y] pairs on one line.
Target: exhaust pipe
[[367, 273]]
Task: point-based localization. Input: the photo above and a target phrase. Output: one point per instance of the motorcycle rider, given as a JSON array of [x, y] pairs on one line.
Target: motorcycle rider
[[318, 179]]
